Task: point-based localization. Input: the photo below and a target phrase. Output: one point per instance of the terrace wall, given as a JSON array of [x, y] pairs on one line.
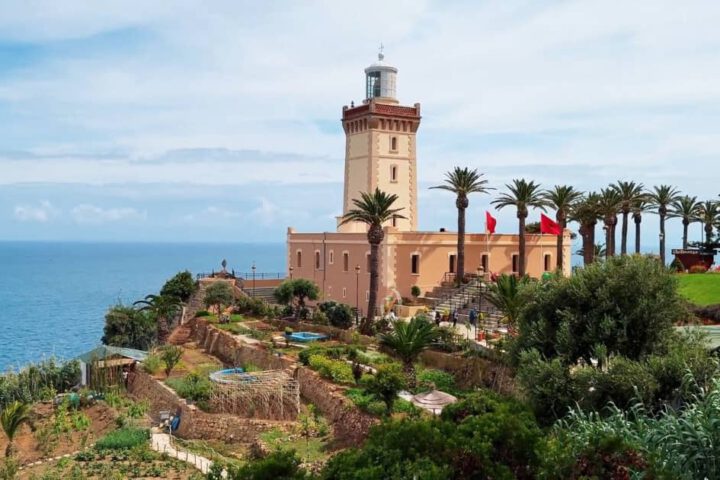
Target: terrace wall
[[471, 372]]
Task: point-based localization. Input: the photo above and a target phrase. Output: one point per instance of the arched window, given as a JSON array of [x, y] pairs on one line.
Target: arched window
[[393, 173], [548, 262], [485, 262], [331, 257], [451, 263], [415, 264], [393, 144], [346, 261], [317, 259], [298, 262]]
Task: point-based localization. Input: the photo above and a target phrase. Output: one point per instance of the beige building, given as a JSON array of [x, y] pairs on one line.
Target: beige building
[[380, 151]]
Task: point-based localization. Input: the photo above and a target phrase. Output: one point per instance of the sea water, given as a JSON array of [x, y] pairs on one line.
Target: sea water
[[53, 296]]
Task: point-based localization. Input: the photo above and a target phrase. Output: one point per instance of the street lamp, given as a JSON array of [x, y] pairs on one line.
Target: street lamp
[[357, 295], [291, 270], [253, 275]]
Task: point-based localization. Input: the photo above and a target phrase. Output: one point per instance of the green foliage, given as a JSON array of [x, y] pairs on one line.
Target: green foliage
[[319, 318], [296, 292], [415, 291], [124, 438], [170, 355], [254, 306], [193, 387], [181, 286], [407, 340], [338, 371], [218, 295], [152, 363], [386, 384], [38, 381], [164, 308], [430, 379], [339, 314], [129, 328], [329, 352], [506, 294], [700, 289], [278, 465], [12, 417]]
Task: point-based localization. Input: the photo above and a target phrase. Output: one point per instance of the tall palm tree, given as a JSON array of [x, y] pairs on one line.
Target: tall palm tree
[[638, 207], [598, 251], [686, 208], [709, 214], [660, 199], [506, 295], [408, 340], [462, 182], [609, 204], [164, 308], [11, 419], [586, 212], [630, 192], [522, 195], [373, 209], [561, 198]]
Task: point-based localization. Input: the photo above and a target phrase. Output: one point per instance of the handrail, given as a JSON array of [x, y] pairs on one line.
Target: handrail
[[247, 275]]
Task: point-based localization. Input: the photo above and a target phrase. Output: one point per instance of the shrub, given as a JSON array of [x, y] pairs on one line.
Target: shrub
[[152, 363], [130, 328], [339, 315], [335, 370], [202, 313], [415, 291], [123, 438], [278, 465], [319, 318], [699, 268], [437, 379], [329, 352], [253, 306], [181, 286], [386, 384], [192, 387], [170, 355]]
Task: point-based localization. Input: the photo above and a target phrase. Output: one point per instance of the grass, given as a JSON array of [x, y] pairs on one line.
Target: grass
[[700, 288], [123, 438], [309, 450], [235, 317]]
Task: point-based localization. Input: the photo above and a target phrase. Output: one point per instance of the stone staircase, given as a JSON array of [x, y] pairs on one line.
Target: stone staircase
[[180, 335], [463, 298], [263, 293]]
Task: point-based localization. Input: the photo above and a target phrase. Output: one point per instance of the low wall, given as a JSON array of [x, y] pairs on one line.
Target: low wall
[[332, 332], [473, 372], [194, 423]]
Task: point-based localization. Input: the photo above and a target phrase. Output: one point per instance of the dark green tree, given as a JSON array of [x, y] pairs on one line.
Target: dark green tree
[[586, 212], [219, 295], [387, 382], [561, 198], [181, 286], [609, 204], [296, 292], [638, 208], [685, 208], [630, 193], [129, 328], [165, 309]]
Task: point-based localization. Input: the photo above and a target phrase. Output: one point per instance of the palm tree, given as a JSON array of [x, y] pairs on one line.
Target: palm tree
[[638, 207], [630, 192], [462, 182], [598, 251], [709, 214], [408, 340], [685, 207], [660, 199], [609, 204], [561, 198], [506, 295], [164, 308], [586, 212], [522, 195], [373, 209], [11, 419]]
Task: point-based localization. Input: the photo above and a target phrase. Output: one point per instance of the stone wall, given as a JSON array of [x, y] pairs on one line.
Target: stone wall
[[194, 423], [332, 332], [473, 372]]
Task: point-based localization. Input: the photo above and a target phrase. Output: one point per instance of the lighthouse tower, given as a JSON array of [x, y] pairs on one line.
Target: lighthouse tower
[[380, 147]]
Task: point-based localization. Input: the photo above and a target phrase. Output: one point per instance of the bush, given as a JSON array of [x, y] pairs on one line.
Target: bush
[[124, 438], [336, 370], [170, 355], [38, 381], [278, 465], [256, 307], [152, 363], [699, 268], [339, 315], [415, 291], [192, 387], [329, 352], [202, 313], [180, 286], [129, 328], [320, 318], [436, 379], [386, 384]]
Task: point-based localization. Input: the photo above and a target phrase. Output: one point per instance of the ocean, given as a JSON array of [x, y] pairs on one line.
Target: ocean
[[53, 296]]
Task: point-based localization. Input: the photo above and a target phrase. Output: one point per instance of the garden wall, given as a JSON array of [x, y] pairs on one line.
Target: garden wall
[[473, 372], [194, 423], [332, 332]]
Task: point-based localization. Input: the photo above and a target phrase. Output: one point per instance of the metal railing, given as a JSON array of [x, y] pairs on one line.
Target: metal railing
[[247, 275]]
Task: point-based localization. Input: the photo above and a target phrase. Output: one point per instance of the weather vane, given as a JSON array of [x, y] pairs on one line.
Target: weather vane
[[381, 56]]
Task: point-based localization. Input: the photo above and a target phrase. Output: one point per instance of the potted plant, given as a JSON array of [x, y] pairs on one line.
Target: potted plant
[[415, 292], [288, 333]]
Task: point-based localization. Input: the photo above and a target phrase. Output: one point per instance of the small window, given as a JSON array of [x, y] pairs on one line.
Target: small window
[[367, 295], [346, 261], [317, 259], [344, 292], [367, 262], [515, 260], [331, 257], [415, 264], [394, 220], [548, 260], [299, 259], [393, 173], [451, 263], [393, 144], [485, 262]]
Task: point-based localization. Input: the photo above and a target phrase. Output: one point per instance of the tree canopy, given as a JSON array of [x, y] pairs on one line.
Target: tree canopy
[[181, 286], [130, 328], [296, 292], [218, 295]]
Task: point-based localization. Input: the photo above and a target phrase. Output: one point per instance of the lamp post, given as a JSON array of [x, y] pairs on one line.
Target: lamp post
[[661, 236], [291, 272], [357, 295], [253, 275]]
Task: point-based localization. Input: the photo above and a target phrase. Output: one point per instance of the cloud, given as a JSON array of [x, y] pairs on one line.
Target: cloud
[[211, 214], [92, 214], [35, 213]]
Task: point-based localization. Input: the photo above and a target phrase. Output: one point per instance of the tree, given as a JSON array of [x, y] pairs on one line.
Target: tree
[[630, 193], [522, 195], [295, 292], [181, 286], [686, 208], [506, 295], [462, 182], [219, 295], [709, 214], [13, 416], [660, 198], [387, 382], [561, 198], [164, 308], [129, 328], [586, 212], [609, 204], [373, 209], [408, 340], [338, 314], [639, 206], [171, 355]]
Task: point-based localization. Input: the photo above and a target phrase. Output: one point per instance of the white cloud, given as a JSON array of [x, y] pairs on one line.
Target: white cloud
[[211, 214], [86, 213], [35, 213]]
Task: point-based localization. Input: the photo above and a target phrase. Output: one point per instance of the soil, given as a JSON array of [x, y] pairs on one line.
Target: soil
[[101, 416]]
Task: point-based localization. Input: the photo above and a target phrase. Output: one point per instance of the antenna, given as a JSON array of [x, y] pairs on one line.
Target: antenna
[[381, 56]]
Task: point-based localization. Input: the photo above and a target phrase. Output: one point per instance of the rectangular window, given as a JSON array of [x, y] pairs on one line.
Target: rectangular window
[[331, 257], [367, 262], [485, 262], [367, 295], [393, 173], [548, 260], [393, 144], [346, 261], [415, 264], [451, 263], [317, 259], [344, 292], [515, 260], [298, 262], [394, 221]]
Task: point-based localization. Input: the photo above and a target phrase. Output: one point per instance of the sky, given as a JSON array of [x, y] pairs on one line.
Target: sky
[[219, 120]]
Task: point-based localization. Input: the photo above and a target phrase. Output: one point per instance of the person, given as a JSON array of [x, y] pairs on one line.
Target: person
[[455, 318], [438, 318], [392, 316], [473, 317]]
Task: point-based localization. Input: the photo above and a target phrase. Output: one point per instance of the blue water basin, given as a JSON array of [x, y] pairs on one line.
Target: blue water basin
[[306, 336]]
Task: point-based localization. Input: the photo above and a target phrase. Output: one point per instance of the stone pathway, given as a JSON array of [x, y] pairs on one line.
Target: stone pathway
[[160, 442]]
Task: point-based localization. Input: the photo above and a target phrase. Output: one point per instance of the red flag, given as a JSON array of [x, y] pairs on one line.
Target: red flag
[[490, 223], [547, 225]]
